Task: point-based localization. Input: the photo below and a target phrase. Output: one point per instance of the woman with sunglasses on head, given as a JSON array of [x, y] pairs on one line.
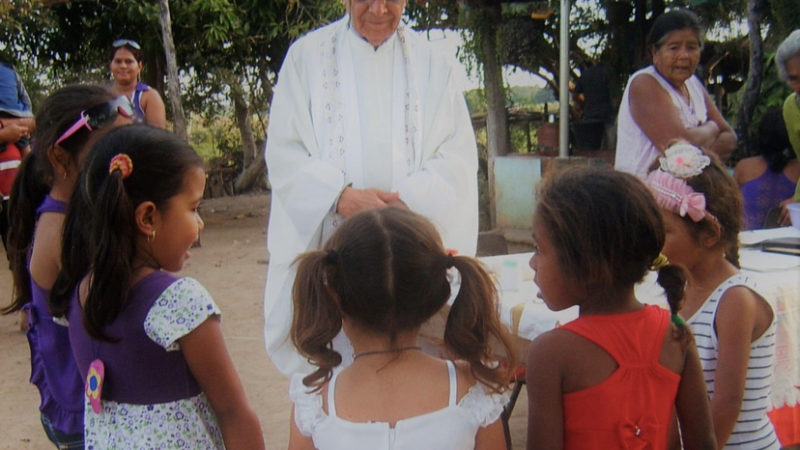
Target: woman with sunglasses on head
[[69, 121], [125, 63]]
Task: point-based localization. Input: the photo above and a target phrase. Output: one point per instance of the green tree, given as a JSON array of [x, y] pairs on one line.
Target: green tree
[[228, 51]]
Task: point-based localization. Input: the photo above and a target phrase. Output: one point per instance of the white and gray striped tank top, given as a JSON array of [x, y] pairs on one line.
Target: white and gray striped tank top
[[753, 428]]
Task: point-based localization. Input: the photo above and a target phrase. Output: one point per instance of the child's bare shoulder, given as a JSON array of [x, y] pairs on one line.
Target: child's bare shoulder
[[739, 299], [549, 346]]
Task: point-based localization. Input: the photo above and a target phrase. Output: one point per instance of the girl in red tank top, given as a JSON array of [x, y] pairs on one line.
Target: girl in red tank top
[[616, 376]]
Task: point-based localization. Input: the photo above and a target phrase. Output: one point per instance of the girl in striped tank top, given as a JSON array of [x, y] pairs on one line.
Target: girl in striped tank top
[[734, 326]]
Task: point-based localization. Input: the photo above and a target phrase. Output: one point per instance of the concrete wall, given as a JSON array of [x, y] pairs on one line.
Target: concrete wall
[[516, 178]]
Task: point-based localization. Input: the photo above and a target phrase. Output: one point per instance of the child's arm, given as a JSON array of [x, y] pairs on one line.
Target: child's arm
[[545, 406], [208, 359], [740, 319], [692, 406], [491, 437], [297, 440]]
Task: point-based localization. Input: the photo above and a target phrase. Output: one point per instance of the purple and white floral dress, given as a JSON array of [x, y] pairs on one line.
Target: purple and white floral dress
[[150, 399]]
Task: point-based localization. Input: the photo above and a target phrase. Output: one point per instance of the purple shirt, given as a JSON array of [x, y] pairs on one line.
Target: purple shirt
[[53, 368], [762, 194], [137, 369]]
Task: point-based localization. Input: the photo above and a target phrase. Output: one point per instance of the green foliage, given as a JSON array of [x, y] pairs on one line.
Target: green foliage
[[772, 95], [476, 101], [220, 45]]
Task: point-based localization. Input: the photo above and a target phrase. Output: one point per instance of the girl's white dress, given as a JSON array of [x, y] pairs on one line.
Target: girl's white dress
[[451, 428]]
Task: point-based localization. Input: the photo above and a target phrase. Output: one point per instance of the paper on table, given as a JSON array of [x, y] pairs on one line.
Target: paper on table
[[756, 260], [754, 237]]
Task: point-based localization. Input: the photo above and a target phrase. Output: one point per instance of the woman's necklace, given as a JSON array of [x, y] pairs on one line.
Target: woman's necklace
[[383, 352]]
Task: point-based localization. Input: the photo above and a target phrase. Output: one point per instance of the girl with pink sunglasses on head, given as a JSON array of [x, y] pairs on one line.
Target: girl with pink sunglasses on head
[[69, 121]]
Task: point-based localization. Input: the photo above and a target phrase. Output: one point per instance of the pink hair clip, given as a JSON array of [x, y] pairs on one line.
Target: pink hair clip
[[674, 194], [123, 163]]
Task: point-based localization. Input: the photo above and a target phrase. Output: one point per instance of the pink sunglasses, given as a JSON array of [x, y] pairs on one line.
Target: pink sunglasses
[[99, 116]]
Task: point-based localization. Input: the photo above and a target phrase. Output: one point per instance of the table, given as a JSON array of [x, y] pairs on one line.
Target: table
[[777, 277]]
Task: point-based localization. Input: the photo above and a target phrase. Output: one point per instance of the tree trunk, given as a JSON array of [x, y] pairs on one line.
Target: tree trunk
[[254, 172], [754, 77], [241, 110], [252, 175], [173, 84], [496, 121], [498, 141]]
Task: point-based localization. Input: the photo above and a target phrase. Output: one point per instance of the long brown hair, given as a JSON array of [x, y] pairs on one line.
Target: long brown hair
[[104, 204], [387, 271], [35, 175]]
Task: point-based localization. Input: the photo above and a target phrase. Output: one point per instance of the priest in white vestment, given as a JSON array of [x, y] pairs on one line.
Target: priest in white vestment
[[366, 114]]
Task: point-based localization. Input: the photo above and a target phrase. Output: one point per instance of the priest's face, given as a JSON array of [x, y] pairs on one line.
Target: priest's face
[[375, 20]]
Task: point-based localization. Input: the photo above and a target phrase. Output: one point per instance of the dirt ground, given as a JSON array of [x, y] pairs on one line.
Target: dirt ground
[[232, 265]]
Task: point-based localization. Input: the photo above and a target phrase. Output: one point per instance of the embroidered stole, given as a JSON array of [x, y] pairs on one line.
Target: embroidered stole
[[340, 136]]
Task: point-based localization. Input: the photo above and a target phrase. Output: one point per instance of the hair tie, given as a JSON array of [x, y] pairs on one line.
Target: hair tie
[[450, 260], [660, 262], [678, 320], [123, 163], [331, 257]]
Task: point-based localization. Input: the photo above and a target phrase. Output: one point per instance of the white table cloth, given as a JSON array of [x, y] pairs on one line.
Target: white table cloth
[[777, 277]]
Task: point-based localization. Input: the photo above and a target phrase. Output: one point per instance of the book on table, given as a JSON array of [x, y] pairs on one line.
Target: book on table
[[786, 245]]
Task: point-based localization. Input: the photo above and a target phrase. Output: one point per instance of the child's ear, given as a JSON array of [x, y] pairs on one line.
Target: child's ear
[[712, 233], [147, 218], [61, 161]]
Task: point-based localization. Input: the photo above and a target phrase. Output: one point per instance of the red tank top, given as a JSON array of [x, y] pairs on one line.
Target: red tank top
[[632, 408]]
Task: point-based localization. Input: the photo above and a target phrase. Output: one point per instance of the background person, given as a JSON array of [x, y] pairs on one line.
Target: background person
[[666, 101], [365, 115], [787, 60], [768, 180], [125, 64], [16, 126], [593, 95]]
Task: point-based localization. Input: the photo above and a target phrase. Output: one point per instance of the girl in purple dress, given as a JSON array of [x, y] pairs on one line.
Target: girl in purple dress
[[68, 120], [148, 343]]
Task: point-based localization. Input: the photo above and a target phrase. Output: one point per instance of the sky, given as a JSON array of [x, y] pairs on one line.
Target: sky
[[449, 41]]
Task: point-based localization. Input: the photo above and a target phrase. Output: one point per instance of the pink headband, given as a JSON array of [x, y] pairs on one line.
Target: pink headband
[[672, 193]]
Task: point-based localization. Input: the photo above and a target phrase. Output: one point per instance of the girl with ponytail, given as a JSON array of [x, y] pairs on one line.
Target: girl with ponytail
[[379, 277], [68, 121], [148, 342], [734, 324], [615, 376]]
